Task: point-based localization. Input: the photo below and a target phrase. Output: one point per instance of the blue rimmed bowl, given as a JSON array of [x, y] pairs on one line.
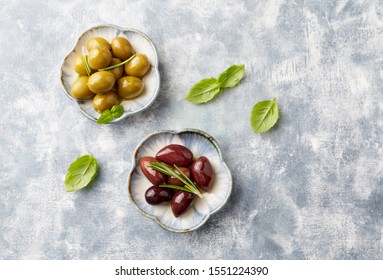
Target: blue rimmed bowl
[[141, 44], [201, 144]]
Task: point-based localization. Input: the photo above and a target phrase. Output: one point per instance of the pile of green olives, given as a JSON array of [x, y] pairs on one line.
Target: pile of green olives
[[110, 86]]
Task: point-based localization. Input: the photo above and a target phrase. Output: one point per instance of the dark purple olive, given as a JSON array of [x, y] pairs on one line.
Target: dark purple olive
[[154, 176], [203, 173], [174, 181], [181, 202], [175, 154], [157, 195]]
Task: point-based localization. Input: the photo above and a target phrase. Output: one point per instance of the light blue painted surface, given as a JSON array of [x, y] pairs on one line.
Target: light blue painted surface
[[312, 188]]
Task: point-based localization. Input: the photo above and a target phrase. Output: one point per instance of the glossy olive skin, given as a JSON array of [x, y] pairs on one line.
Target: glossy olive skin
[[97, 42], [79, 65], [156, 195], [99, 58], [175, 154], [174, 181], [118, 71], [80, 88], [181, 202], [129, 87], [138, 66], [102, 102], [203, 173], [154, 176], [101, 82], [121, 48]]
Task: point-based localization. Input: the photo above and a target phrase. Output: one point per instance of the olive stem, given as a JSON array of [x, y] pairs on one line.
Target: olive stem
[[84, 60], [117, 65]]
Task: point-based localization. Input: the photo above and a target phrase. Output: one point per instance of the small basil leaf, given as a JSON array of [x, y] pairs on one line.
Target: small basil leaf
[[117, 111], [231, 76], [80, 173], [264, 116], [106, 117], [109, 115], [203, 91]]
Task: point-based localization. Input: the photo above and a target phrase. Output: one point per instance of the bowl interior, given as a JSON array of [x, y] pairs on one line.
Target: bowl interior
[[141, 44], [201, 145]]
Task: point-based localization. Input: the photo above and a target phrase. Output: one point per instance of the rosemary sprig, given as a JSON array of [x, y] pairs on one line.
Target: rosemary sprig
[[174, 187], [85, 61], [118, 64], [167, 170]]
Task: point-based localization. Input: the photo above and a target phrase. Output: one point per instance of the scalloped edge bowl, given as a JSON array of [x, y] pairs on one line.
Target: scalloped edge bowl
[[201, 144], [141, 44]]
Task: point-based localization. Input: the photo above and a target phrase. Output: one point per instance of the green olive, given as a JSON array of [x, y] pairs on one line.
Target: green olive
[[80, 88], [138, 66], [99, 58], [130, 87], [101, 82], [105, 101], [97, 42], [121, 48], [79, 66], [118, 71]]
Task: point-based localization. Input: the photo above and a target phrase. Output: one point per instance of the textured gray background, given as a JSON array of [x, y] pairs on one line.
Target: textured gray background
[[311, 188]]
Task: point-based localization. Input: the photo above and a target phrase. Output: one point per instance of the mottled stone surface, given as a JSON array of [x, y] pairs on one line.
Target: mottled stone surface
[[311, 188]]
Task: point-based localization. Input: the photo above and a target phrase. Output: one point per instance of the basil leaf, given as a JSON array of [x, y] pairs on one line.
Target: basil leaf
[[106, 117], [80, 173], [231, 76], [203, 91], [264, 116], [117, 111], [207, 89], [109, 115]]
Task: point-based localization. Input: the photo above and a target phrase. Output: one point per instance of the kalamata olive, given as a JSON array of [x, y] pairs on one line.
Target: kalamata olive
[[129, 87], [101, 82], [175, 154], [203, 173], [138, 66], [174, 181], [181, 202], [79, 65], [99, 58], [102, 102], [118, 71], [80, 88], [121, 48], [157, 195], [97, 42], [154, 176]]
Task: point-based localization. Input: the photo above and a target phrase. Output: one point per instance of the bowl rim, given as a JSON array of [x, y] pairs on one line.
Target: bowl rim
[[177, 132], [155, 68]]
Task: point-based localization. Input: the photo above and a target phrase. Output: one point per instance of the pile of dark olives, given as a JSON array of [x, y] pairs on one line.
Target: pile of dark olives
[[109, 87], [199, 170]]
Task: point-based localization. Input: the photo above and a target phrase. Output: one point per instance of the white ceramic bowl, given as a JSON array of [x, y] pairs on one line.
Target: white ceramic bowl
[[141, 44], [201, 144]]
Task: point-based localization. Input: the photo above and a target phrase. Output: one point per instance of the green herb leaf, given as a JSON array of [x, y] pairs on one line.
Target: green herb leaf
[[80, 173], [264, 116], [231, 76], [109, 115], [203, 91], [117, 111], [206, 89], [85, 61], [180, 188]]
